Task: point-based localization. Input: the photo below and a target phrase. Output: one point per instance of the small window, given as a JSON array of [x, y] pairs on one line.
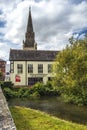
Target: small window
[[30, 68], [20, 68], [40, 68], [49, 68]]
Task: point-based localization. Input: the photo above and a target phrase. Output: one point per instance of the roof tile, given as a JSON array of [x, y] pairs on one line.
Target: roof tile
[[32, 55]]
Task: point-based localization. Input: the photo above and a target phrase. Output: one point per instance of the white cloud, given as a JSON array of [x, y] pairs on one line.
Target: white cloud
[[78, 17], [4, 51], [54, 22]]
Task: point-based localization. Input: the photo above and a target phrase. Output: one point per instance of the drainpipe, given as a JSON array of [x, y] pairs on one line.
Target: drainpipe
[[26, 73]]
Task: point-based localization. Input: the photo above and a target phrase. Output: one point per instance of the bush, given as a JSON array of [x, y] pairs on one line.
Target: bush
[[38, 87], [35, 95], [9, 93], [7, 84], [76, 96], [1, 83], [21, 92], [45, 90], [26, 94], [49, 85]]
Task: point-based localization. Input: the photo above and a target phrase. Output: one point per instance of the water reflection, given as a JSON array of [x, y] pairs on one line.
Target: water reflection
[[55, 106]]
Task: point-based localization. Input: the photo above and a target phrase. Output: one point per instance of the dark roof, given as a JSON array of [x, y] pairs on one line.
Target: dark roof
[[32, 55], [2, 60]]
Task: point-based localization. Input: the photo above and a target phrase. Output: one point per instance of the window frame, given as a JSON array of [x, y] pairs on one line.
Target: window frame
[[30, 68], [40, 68], [19, 68]]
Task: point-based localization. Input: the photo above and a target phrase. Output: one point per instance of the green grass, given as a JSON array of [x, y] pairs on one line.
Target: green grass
[[29, 119]]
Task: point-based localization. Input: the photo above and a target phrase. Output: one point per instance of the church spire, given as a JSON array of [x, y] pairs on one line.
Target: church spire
[[29, 25], [29, 43]]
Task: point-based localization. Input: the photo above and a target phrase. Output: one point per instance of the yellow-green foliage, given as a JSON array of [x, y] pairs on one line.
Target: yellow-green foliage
[[71, 72], [28, 119]]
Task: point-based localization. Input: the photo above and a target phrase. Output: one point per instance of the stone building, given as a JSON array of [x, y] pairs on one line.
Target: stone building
[[2, 69], [29, 65]]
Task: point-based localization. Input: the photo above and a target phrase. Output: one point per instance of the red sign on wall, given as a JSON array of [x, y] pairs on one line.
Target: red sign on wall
[[17, 78]]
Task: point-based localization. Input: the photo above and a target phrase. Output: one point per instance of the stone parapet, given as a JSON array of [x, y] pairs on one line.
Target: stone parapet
[[6, 120]]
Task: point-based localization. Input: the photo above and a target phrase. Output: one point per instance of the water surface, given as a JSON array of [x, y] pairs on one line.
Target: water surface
[[55, 106]]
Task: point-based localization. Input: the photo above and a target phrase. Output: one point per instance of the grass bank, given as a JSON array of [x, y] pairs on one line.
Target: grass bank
[[29, 119]]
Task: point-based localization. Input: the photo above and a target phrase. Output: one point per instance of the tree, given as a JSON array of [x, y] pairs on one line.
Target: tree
[[70, 71], [1, 75]]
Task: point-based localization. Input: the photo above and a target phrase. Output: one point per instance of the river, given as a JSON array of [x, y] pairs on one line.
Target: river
[[56, 107]]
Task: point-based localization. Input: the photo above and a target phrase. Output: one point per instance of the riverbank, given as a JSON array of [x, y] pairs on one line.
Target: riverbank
[[29, 119]]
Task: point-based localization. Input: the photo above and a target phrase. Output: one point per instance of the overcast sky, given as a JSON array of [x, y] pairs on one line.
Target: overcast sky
[[54, 21]]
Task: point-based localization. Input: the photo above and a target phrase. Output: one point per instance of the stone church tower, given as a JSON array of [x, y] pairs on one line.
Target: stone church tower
[[29, 43], [29, 65]]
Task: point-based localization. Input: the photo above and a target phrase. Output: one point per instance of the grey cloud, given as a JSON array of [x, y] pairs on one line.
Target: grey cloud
[[53, 20], [77, 1]]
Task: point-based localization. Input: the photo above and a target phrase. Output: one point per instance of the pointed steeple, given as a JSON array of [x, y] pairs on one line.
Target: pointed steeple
[[29, 25], [29, 43]]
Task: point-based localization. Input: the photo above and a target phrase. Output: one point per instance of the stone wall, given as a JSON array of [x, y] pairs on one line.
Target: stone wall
[[6, 121]]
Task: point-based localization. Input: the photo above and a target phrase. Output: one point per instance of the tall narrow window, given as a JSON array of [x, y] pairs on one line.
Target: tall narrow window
[[49, 68], [20, 68], [30, 68], [12, 67], [40, 68]]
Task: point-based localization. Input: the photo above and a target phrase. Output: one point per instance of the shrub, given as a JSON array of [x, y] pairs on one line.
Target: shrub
[[1, 83], [21, 92], [38, 87], [76, 96], [27, 93], [7, 84], [9, 93], [45, 90], [35, 95], [49, 85]]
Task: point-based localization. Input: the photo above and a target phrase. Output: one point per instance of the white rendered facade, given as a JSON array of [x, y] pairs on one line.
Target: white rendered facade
[[25, 75]]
